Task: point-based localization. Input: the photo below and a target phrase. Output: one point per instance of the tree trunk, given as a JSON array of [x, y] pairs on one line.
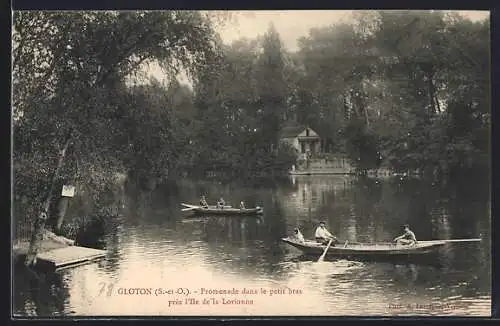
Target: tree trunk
[[39, 225], [63, 206], [367, 120], [432, 96]]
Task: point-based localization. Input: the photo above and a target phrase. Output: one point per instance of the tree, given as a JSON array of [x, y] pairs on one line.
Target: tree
[[272, 87], [69, 74]]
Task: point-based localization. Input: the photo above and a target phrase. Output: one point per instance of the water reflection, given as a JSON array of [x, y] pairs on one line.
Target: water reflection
[[44, 295], [112, 243], [157, 244]]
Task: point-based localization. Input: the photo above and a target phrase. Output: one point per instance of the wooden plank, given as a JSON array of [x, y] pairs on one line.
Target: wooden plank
[[46, 245], [71, 255]]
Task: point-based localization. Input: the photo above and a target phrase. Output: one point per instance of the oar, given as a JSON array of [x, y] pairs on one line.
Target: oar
[[462, 240], [454, 240], [190, 206], [445, 241], [322, 257], [188, 209]]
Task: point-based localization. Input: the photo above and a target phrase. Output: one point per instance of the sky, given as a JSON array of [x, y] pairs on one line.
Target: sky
[[290, 24]]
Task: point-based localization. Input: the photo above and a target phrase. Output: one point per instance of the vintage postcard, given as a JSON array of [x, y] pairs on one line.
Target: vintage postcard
[[253, 163]]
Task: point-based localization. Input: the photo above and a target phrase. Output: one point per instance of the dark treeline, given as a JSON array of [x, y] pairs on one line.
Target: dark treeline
[[403, 90]]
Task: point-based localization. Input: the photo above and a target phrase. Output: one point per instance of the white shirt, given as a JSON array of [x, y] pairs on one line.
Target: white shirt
[[409, 235], [299, 237], [322, 232]]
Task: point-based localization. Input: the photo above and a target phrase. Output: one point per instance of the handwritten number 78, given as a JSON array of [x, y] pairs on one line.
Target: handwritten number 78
[[103, 287]]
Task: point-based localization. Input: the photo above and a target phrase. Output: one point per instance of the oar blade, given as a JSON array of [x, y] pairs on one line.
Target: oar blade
[[322, 257], [463, 240]]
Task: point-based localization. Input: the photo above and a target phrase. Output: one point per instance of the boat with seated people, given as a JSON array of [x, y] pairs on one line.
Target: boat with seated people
[[356, 249], [227, 210]]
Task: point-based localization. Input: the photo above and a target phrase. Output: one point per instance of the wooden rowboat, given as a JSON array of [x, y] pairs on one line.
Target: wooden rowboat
[[227, 210], [347, 249]]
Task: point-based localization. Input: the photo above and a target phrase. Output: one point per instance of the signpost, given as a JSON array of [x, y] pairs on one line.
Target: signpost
[[68, 191]]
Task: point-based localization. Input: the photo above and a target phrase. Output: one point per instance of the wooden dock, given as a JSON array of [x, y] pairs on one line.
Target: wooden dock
[[60, 257], [68, 257]]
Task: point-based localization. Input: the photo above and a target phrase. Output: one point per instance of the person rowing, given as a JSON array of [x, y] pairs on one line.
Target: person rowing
[[242, 205], [323, 236], [221, 203], [407, 238], [203, 202]]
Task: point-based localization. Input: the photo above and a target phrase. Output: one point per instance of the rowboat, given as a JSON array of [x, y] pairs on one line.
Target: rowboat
[[227, 210], [356, 249]]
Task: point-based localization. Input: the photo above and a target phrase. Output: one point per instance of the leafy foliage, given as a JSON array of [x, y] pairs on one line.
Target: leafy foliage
[[70, 82], [406, 90]]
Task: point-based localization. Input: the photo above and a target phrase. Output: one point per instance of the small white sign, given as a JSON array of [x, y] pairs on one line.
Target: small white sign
[[68, 191]]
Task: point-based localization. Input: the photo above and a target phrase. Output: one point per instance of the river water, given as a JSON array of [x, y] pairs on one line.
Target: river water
[[157, 247]]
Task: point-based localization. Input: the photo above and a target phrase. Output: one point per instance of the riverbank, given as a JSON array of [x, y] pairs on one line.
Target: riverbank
[[56, 252], [50, 241]]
